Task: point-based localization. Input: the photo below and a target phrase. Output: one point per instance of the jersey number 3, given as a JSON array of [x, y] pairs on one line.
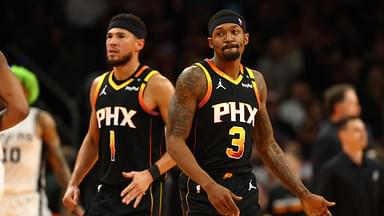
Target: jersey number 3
[[236, 150]]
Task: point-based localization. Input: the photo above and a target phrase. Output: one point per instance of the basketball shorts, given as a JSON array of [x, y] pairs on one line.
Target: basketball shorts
[[31, 204], [195, 201], [107, 202]]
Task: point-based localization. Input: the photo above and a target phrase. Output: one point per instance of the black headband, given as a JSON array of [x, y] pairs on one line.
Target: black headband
[[138, 31], [226, 19]]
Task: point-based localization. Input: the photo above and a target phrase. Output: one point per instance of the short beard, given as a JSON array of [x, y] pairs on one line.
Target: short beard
[[119, 62], [231, 56]]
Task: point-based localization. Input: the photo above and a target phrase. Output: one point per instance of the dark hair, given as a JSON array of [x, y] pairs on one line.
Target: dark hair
[[334, 95], [341, 124], [226, 16], [130, 22]]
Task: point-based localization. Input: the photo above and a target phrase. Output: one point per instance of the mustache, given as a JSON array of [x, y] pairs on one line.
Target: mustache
[[229, 46]]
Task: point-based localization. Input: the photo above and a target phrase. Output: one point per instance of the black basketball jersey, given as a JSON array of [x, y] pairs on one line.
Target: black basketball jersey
[[221, 135], [131, 136]]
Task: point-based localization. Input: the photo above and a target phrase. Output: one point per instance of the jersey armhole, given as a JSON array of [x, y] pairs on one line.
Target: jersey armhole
[[141, 93], [252, 76], [209, 86], [97, 88]]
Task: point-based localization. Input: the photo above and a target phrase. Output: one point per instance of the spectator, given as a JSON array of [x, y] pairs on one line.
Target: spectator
[[354, 181], [340, 101]]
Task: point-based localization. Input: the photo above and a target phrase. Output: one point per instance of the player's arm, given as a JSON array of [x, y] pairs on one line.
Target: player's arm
[[86, 158], [11, 97], [160, 90], [163, 90], [56, 159], [272, 155], [88, 153], [191, 86]]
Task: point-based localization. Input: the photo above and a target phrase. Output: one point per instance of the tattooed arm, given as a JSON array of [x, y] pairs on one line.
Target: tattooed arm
[[190, 89], [273, 157]]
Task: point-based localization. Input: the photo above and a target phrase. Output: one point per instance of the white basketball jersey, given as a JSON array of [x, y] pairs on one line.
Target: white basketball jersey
[[22, 157]]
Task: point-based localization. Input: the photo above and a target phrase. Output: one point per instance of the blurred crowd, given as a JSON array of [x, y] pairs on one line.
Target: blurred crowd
[[302, 47]]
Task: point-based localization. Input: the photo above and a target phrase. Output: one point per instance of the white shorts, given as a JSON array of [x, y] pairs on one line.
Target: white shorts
[[24, 204]]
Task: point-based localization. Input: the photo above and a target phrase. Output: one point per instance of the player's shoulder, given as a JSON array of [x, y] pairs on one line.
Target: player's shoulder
[[192, 80], [192, 73], [43, 117], [158, 78], [100, 77], [97, 81], [256, 73], [157, 81]]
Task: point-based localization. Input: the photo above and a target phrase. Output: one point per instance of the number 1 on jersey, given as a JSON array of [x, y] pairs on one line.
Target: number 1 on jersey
[[237, 143], [112, 144]]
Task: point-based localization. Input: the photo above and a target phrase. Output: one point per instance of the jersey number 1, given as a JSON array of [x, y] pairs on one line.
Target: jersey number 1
[[112, 144], [236, 150]]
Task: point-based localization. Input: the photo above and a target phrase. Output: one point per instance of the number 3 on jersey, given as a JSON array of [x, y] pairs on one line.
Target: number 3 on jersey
[[236, 150]]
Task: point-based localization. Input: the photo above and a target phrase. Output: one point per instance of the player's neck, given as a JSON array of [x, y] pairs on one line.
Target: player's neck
[[124, 71], [231, 68]]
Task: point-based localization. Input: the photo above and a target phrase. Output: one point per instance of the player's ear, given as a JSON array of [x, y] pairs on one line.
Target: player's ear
[[246, 38], [210, 42], [139, 44]]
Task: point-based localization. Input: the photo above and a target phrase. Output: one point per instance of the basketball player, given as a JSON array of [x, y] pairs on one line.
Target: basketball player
[[126, 129], [13, 105], [27, 147], [218, 110]]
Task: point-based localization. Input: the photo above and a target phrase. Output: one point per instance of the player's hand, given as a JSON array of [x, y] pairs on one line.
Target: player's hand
[[78, 211], [71, 198], [136, 189], [222, 199], [315, 205]]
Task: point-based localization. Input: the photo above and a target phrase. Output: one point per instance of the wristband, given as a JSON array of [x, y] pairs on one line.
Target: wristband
[[155, 172]]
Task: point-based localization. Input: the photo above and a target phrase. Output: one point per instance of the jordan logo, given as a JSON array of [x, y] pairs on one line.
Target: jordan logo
[[250, 187], [103, 91], [220, 85]]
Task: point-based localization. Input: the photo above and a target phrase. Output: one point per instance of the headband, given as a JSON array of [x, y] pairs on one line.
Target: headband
[[230, 18], [138, 31]]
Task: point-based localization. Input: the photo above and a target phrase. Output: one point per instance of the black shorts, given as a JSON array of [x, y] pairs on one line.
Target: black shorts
[[107, 202], [195, 201]]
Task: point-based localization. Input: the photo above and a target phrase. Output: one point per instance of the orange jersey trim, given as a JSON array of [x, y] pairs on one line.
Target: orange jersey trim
[[100, 80], [141, 94], [224, 75], [209, 87], [252, 76]]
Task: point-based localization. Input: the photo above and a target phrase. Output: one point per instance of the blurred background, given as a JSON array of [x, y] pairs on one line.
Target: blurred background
[[301, 47]]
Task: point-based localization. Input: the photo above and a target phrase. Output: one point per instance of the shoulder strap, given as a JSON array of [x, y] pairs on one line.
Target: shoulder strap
[[147, 77], [209, 86], [252, 76], [100, 80]]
